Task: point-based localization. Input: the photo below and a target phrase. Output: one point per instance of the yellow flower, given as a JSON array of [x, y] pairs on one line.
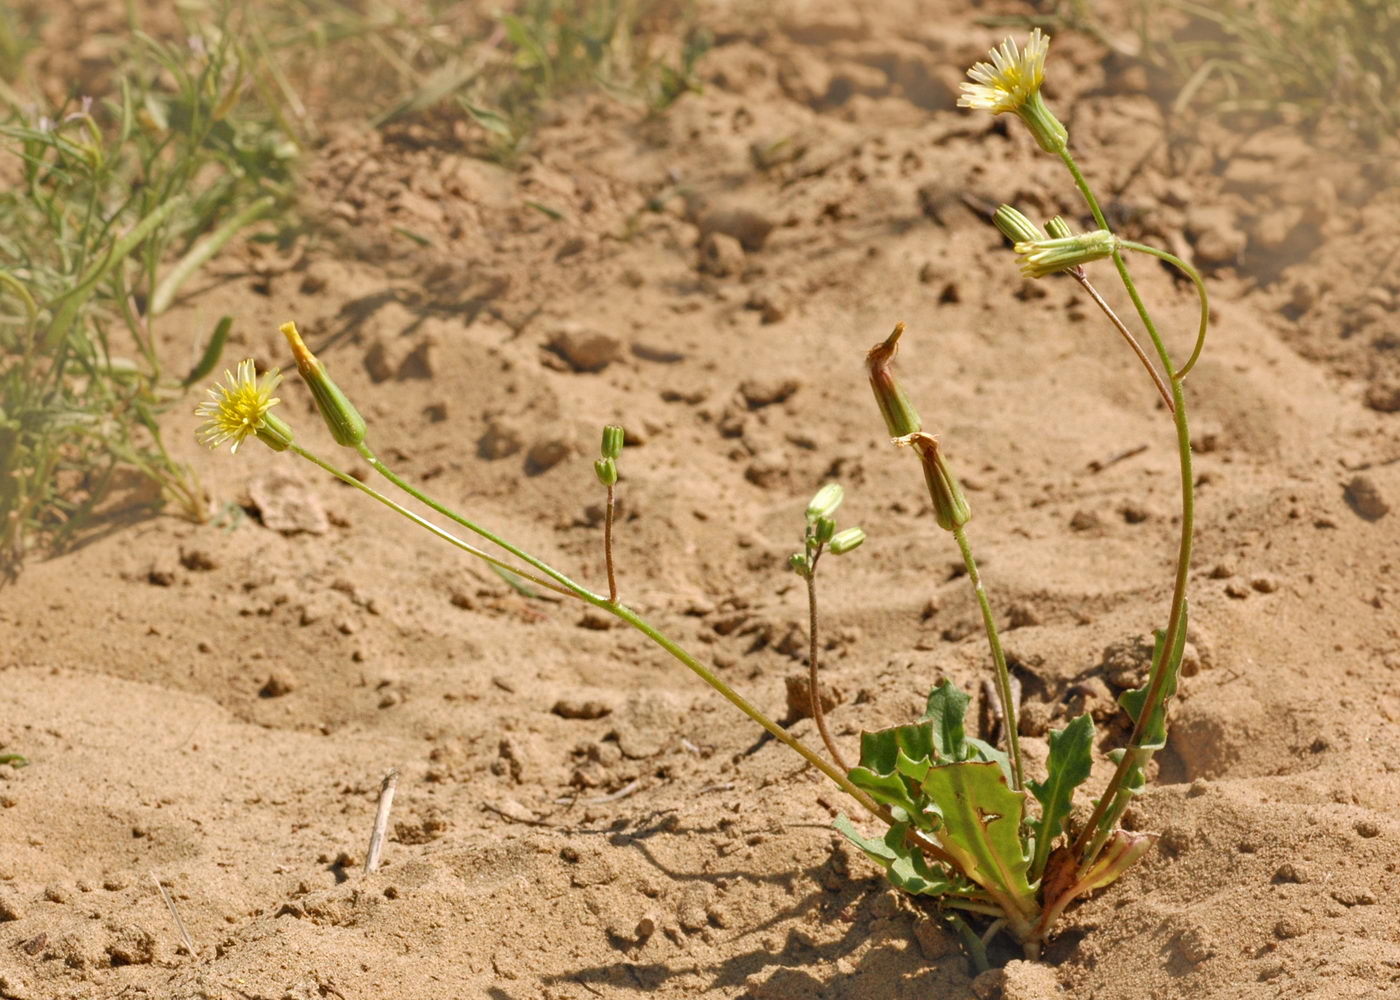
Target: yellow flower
[[1011, 82], [239, 408], [1010, 79]]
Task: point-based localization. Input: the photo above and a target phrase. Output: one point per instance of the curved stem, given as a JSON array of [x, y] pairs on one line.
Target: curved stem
[[446, 536], [1088, 836], [813, 685], [1003, 676], [1200, 284]]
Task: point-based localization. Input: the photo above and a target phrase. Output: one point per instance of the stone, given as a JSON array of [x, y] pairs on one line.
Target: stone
[[501, 440], [284, 504], [721, 256], [799, 697], [585, 349], [761, 392], [1363, 496], [545, 455]]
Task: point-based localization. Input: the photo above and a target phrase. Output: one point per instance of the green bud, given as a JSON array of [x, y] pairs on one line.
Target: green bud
[[606, 471], [340, 415], [900, 416], [797, 562], [1058, 228], [826, 501], [1015, 226], [950, 508], [612, 441], [1042, 257], [274, 432], [822, 530], [845, 540]]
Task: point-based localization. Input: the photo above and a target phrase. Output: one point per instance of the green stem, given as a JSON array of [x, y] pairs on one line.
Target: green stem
[[1157, 680], [446, 536], [1003, 676], [1196, 279], [641, 625]]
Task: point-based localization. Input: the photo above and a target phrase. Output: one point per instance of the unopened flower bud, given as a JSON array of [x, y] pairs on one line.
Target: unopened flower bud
[[1058, 228], [900, 416], [1042, 257], [950, 508], [612, 441], [845, 540], [824, 504], [797, 562], [606, 471], [822, 530], [340, 415], [1015, 226]]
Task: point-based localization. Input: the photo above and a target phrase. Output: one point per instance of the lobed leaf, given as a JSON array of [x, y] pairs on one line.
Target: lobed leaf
[[982, 826], [904, 866], [1071, 757]]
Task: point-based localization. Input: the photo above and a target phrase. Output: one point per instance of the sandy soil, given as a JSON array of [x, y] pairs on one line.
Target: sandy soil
[[578, 816]]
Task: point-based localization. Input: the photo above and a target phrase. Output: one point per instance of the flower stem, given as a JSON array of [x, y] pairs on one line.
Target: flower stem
[[1087, 844], [424, 523], [813, 685], [627, 615], [1079, 276], [1003, 676], [607, 543]]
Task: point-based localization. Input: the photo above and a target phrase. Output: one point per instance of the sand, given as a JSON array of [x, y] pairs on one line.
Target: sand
[[214, 705]]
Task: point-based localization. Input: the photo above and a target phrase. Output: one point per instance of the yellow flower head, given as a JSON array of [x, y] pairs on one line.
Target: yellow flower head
[[1011, 82], [237, 408]]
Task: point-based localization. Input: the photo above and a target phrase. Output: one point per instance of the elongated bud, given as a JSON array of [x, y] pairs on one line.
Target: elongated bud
[[950, 508], [845, 540], [900, 416], [612, 441], [1042, 257], [1122, 851], [1015, 226], [1058, 228], [340, 415], [824, 504], [797, 562], [274, 432], [822, 530], [606, 471]]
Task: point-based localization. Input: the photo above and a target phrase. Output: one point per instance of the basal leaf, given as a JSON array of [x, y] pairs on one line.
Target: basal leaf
[[947, 706], [905, 867], [1154, 733], [879, 751], [982, 826], [982, 750], [1071, 757], [891, 790]]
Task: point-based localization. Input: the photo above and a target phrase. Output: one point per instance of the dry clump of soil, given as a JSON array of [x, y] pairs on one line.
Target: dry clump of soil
[[579, 817]]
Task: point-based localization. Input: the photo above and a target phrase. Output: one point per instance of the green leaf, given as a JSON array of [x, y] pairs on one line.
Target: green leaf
[[904, 866], [947, 706], [879, 751], [893, 791], [1071, 757], [982, 827], [1154, 733]]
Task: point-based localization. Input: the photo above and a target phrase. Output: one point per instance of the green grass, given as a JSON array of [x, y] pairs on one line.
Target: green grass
[[119, 201], [1297, 60], [122, 199]]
